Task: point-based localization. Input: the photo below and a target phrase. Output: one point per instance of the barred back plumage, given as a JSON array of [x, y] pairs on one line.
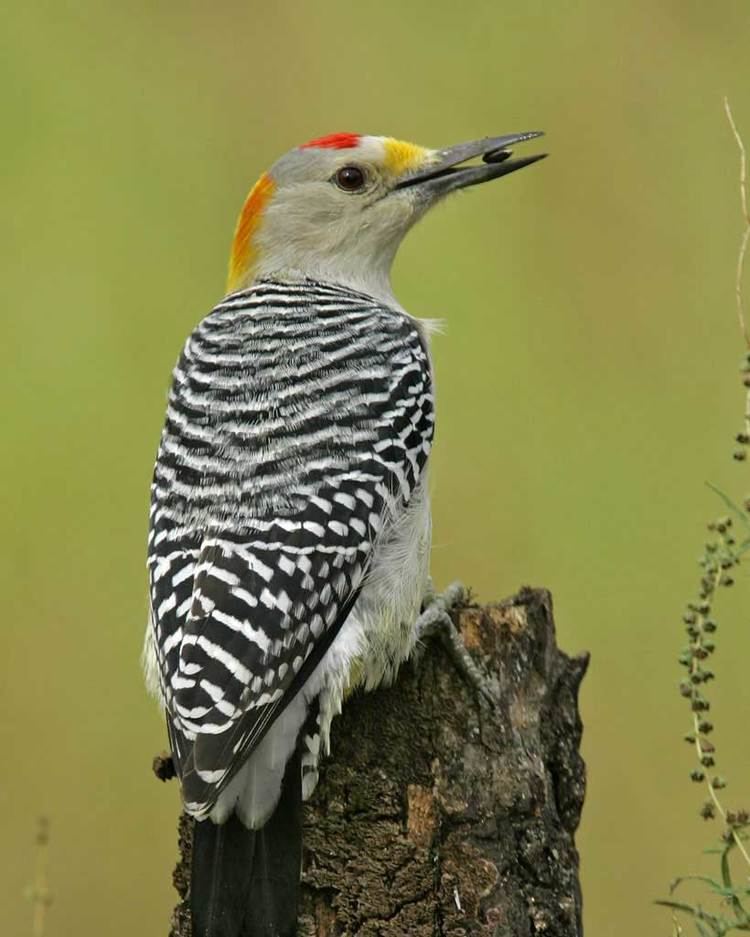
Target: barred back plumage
[[298, 427]]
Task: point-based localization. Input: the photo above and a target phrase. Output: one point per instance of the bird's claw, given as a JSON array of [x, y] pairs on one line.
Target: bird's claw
[[435, 622]]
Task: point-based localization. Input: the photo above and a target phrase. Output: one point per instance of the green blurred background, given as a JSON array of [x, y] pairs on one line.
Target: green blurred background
[[587, 381]]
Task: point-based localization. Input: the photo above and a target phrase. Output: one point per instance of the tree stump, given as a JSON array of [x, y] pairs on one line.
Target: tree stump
[[441, 815]]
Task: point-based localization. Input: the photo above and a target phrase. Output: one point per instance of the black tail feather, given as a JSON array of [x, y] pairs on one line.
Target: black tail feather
[[245, 883]]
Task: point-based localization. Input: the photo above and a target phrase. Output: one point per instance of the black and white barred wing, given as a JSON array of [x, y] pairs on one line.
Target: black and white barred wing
[[326, 409], [264, 612]]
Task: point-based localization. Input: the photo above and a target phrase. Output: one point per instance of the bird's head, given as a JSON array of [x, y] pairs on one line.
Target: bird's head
[[338, 207]]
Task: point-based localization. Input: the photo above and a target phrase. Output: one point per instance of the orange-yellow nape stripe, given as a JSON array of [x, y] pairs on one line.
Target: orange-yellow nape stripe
[[243, 251], [401, 157]]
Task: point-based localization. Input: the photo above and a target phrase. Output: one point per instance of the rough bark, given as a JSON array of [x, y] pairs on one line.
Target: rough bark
[[439, 815]]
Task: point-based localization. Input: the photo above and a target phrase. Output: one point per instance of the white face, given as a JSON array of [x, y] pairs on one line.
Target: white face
[[335, 213]]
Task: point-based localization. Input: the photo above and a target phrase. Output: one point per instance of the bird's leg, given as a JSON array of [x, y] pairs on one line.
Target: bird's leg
[[435, 622]]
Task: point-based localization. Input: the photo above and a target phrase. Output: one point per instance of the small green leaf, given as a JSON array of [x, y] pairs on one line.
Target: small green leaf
[[677, 906]]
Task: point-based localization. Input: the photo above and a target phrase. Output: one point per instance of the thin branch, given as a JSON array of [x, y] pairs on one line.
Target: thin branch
[[746, 217]]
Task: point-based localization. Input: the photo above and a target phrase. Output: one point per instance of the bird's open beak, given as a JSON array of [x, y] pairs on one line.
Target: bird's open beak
[[447, 171]]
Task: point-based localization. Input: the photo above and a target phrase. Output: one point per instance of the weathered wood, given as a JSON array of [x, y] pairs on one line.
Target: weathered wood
[[440, 816]]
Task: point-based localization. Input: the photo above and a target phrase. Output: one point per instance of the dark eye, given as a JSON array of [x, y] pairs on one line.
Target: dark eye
[[350, 178]]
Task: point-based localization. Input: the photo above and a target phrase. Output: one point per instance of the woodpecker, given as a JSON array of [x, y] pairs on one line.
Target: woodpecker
[[290, 526]]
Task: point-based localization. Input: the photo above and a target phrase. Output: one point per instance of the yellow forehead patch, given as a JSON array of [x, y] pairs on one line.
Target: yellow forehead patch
[[243, 254], [401, 157]]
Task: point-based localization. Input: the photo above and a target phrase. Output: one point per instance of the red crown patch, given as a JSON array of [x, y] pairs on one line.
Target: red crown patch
[[334, 141]]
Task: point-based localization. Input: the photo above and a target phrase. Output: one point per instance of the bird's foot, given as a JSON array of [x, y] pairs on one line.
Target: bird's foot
[[435, 622]]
